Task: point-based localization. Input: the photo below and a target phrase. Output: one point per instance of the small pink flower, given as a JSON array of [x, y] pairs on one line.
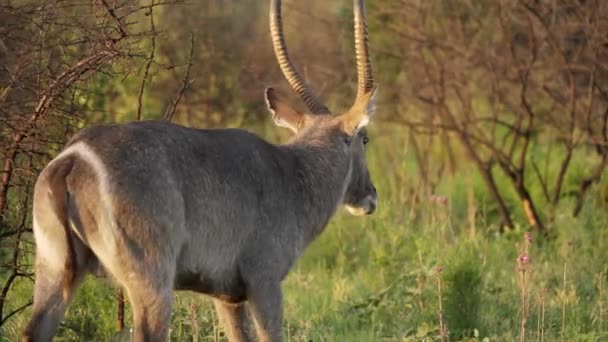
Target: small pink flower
[[439, 199], [523, 259], [439, 269], [528, 237]]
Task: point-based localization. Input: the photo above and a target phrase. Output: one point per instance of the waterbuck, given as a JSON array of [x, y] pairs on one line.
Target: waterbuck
[[159, 207]]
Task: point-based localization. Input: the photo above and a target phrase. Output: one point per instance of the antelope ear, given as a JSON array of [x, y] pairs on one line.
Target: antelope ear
[[360, 113], [282, 113]]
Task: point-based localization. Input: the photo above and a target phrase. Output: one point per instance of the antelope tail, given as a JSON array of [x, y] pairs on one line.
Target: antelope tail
[[58, 192]]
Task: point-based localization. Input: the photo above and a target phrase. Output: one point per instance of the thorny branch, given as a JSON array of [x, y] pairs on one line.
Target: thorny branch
[[186, 82], [148, 62], [42, 88]]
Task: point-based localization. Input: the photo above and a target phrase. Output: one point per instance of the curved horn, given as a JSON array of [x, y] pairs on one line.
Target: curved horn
[[290, 73], [364, 65]]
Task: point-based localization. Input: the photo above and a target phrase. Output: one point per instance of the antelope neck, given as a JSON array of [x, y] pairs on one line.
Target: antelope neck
[[323, 172]]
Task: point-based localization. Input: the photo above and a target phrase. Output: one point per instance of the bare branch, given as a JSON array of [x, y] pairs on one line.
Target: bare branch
[[186, 82], [119, 25], [148, 62], [16, 311]]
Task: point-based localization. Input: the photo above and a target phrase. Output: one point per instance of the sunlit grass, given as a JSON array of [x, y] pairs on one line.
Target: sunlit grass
[[373, 278]]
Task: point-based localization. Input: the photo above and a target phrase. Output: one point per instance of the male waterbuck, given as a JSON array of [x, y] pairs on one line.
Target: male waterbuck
[[159, 207]]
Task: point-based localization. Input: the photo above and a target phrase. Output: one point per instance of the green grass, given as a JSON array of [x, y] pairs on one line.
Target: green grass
[[374, 278]]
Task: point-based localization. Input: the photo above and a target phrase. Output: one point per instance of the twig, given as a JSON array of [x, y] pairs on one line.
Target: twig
[[443, 329], [16, 311], [112, 13], [149, 61], [14, 232], [541, 180], [170, 112]]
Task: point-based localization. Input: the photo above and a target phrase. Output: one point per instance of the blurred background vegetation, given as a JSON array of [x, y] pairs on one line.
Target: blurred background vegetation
[[492, 121]]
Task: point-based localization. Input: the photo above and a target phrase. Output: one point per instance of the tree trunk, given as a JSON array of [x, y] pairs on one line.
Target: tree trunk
[[530, 210], [532, 216]]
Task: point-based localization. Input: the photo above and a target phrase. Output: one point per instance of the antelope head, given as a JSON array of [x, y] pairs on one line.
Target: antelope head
[[360, 197]]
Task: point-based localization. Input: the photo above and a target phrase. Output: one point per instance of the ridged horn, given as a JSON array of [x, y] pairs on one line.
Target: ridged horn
[[289, 71], [364, 66]]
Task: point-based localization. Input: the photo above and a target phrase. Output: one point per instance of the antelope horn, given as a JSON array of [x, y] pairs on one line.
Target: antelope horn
[[364, 65], [289, 71]]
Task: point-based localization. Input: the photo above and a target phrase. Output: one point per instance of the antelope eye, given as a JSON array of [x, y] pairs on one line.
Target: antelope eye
[[365, 140]]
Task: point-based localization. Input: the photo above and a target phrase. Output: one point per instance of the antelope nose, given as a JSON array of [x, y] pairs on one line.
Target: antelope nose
[[373, 203], [371, 189]]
